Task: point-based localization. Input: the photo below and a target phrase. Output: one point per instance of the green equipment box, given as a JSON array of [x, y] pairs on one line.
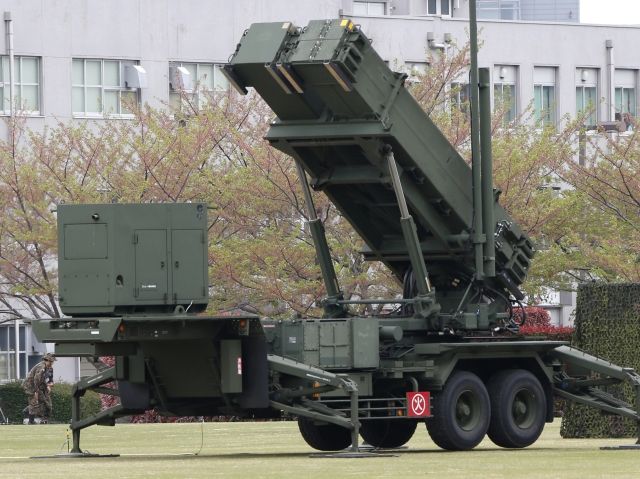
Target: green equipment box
[[324, 343], [126, 258]]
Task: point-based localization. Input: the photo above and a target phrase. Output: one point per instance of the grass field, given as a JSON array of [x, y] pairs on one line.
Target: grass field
[[275, 449]]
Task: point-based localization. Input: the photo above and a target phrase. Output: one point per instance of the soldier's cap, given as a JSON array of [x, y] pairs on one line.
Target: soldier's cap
[[49, 357]]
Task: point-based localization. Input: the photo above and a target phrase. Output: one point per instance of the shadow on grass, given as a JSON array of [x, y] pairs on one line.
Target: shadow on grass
[[286, 455]]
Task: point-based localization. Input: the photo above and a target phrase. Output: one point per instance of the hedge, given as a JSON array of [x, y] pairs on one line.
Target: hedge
[[13, 400], [607, 325], [538, 323]]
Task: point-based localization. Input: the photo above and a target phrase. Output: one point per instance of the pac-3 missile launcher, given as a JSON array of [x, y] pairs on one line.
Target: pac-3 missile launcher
[[131, 276]]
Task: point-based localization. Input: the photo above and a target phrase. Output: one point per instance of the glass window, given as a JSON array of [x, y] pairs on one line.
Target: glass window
[[29, 70], [26, 80], [626, 100], [98, 88], [415, 70], [625, 96], [376, 8], [368, 8], [206, 79], [445, 7], [504, 92], [5, 373], [498, 9], [93, 71], [112, 74], [441, 7], [220, 82], [544, 104], [360, 8], [586, 101], [587, 94], [8, 351], [544, 95], [460, 96], [505, 97]]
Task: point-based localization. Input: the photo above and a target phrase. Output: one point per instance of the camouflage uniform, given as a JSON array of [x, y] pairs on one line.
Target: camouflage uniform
[[37, 389]]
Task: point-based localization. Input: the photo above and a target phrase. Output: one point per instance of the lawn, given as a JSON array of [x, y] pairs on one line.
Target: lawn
[[275, 449]]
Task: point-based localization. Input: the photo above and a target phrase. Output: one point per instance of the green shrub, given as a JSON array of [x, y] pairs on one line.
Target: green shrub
[[13, 400]]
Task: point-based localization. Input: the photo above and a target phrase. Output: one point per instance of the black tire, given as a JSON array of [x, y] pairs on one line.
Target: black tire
[[518, 408], [324, 437], [387, 433], [460, 413]]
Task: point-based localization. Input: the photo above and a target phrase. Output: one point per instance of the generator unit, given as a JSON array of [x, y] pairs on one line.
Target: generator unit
[[117, 258]]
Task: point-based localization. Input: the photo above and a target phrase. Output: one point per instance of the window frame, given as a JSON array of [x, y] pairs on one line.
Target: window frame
[[9, 355], [367, 4], [622, 90], [548, 116], [414, 69], [625, 82], [438, 8], [461, 96], [499, 84], [197, 92], [513, 6], [104, 88], [18, 85], [582, 83]]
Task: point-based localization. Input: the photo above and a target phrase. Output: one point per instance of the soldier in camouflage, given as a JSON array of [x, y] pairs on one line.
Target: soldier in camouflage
[[37, 386]]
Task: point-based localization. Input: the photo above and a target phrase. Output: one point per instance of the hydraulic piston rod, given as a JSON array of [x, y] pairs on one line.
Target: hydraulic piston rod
[[332, 308], [409, 229]]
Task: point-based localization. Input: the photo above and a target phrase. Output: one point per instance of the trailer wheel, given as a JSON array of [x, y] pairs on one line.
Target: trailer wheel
[[460, 413], [387, 433], [324, 437], [518, 408]]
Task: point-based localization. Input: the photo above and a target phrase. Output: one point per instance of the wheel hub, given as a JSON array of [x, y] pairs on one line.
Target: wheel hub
[[467, 410], [523, 408]]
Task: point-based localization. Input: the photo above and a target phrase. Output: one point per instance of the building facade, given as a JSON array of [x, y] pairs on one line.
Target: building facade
[[83, 61]]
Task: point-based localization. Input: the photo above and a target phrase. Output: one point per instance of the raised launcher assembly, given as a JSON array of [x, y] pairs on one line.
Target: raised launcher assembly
[[348, 122]]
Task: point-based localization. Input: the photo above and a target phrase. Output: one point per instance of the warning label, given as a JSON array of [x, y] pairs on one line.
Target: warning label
[[419, 404]]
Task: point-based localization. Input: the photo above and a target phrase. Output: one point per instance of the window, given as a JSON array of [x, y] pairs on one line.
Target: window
[[625, 90], [587, 94], [204, 78], [26, 81], [498, 9], [460, 96], [504, 91], [439, 7], [544, 95], [368, 8], [8, 352], [415, 70], [98, 88]]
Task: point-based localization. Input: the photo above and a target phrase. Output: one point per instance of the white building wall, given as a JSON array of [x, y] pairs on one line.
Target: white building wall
[[156, 32]]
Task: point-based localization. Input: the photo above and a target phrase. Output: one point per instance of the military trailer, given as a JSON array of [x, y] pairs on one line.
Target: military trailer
[[133, 278]]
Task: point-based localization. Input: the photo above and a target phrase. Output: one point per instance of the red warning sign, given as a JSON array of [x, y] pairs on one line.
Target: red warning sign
[[419, 404]]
